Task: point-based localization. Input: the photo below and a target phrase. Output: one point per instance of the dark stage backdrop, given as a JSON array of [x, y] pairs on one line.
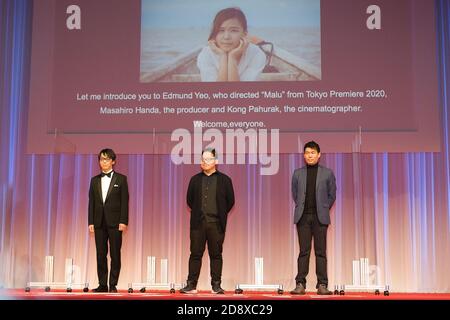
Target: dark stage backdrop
[[392, 208]]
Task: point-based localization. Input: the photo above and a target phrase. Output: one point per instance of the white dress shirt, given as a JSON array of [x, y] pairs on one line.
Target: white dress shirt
[[106, 181]]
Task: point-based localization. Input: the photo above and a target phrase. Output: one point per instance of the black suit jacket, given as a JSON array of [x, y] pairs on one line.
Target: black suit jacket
[[224, 198], [115, 208]]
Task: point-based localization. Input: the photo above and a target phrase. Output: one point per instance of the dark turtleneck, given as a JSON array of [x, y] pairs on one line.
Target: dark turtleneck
[[310, 200]]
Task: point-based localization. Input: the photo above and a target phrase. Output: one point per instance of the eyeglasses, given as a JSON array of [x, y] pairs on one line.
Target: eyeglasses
[[208, 160], [105, 159]]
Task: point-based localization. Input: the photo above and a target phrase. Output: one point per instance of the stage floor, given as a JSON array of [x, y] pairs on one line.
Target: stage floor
[[41, 294]]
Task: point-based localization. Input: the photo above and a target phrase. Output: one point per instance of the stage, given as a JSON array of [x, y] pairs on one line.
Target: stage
[[249, 305], [41, 294]]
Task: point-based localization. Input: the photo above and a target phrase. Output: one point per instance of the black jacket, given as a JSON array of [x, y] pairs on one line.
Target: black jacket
[[224, 198], [116, 204]]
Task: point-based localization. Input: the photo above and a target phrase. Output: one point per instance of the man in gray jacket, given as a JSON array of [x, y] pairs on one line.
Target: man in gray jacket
[[314, 193]]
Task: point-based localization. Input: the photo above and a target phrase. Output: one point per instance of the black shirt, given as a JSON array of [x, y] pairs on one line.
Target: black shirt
[[209, 204], [310, 199]]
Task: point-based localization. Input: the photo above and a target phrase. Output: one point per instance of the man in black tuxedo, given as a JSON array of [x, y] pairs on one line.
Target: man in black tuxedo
[[108, 218], [210, 197]]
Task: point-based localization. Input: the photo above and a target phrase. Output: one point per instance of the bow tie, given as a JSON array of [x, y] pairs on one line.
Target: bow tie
[[106, 174]]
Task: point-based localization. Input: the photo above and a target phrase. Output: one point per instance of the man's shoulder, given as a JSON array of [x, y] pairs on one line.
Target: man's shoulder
[[197, 176], [326, 169], [298, 170], [120, 175], [223, 175], [219, 175], [97, 176]]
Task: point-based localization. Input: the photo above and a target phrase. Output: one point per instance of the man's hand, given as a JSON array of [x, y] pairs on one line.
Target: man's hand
[[91, 228], [122, 227]]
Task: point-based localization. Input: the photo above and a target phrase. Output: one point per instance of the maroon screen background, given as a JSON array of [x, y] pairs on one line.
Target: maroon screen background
[[104, 56]]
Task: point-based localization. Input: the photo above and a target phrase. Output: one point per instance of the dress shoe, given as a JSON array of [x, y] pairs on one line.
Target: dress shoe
[[112, 289], [215, 288], [299, 289], [323, 290], [191, 287], [100, 289]]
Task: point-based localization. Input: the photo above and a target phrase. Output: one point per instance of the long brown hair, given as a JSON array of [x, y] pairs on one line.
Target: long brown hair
[[226, 14]]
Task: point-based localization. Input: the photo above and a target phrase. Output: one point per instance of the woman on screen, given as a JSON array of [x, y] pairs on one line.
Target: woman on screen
[[229, 55]]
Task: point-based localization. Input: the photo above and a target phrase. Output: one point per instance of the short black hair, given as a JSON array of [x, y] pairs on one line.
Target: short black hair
[[312, 145], [212, 150], [109, 152]]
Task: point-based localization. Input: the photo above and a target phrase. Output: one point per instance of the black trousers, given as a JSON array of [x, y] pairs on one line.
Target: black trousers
[[104, 235], [309, 228], [211, 234]]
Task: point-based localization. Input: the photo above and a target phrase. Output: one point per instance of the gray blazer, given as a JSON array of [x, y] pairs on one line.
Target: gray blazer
[[325, 193]]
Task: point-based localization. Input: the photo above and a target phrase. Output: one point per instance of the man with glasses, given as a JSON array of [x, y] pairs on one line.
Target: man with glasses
[[210, 196], [108, 218]]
